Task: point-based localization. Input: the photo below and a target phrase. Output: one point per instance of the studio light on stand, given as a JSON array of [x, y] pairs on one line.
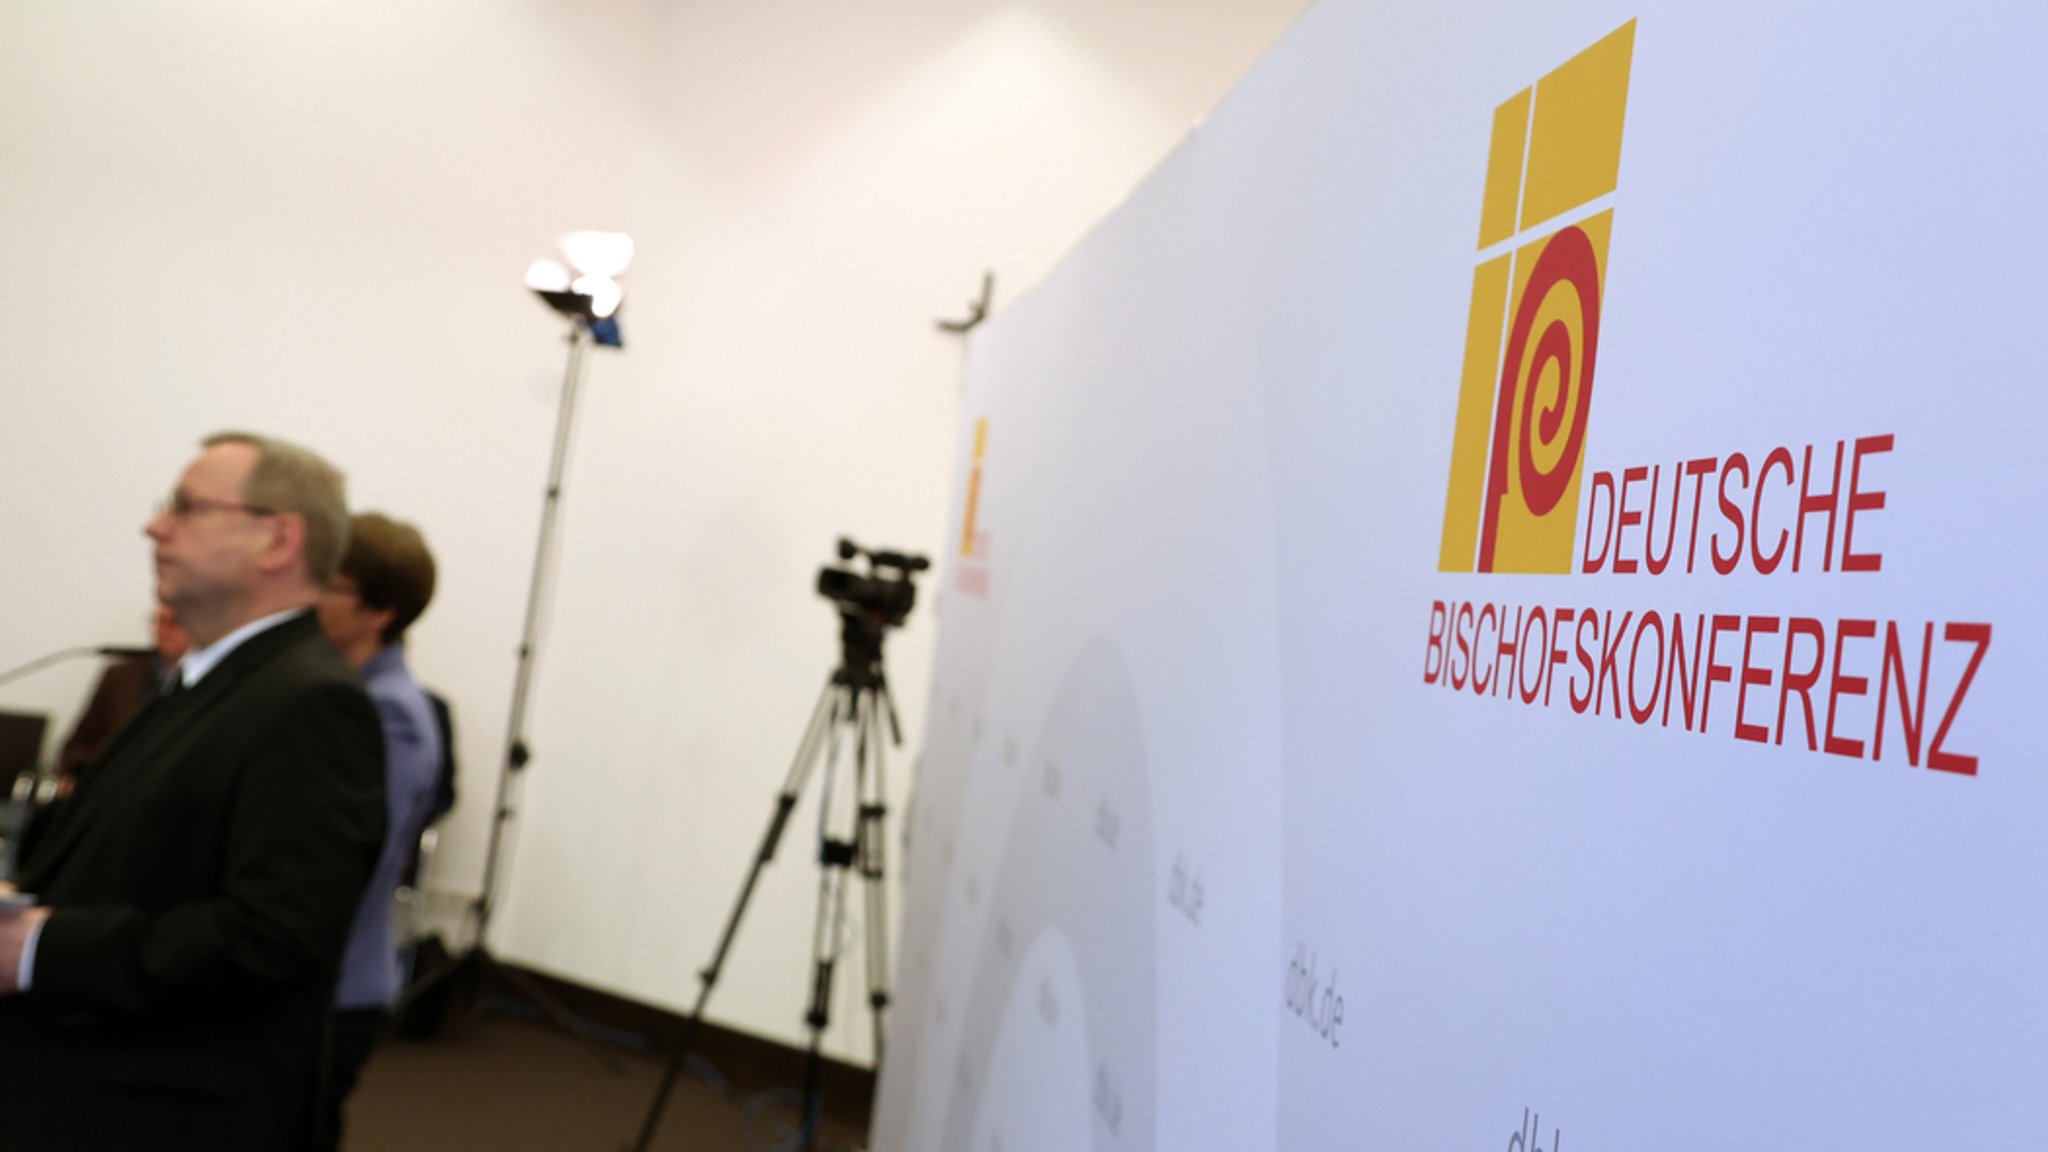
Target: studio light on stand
[[590, 296], [584, 288]]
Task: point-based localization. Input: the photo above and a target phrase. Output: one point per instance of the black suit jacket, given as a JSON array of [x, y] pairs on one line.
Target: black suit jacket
[[202, 884], [126, 686]]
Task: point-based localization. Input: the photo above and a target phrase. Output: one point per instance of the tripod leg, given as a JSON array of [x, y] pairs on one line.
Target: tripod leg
[[830, 925], [823, 715], [872, 838], [831, 916], [836, 857]]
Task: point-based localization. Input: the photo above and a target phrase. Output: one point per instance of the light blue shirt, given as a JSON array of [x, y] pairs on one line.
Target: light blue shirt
[[412, 760], [198, 662]]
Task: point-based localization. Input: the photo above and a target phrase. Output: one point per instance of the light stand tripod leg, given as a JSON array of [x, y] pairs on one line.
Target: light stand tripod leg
[[516, 753], [823, 716], [478, 959]]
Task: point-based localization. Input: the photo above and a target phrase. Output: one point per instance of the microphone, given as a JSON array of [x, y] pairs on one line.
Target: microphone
[[60, 656]]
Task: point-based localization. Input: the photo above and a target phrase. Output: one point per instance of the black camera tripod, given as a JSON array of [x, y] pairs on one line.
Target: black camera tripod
[[852, 706]]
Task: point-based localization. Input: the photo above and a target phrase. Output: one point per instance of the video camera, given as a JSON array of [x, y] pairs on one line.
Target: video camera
[[883, 593]]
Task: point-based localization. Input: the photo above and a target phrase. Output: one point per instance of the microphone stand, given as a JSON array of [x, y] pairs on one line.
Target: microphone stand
[[41, 662], [26, 800]]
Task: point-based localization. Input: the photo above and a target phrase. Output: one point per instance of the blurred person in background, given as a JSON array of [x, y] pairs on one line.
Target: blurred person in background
[[385, 580]]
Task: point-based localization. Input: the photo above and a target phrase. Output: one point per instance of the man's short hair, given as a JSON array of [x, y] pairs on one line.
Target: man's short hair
[[294, 479], [392, 569]]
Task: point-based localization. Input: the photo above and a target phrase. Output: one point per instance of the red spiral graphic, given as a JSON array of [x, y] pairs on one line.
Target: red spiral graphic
[[1567, 263]]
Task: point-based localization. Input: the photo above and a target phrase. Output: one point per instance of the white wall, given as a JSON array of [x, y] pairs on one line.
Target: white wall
[[310, 219]]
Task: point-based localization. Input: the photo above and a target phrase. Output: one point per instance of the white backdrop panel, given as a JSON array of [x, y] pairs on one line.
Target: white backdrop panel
[[1209, 851]]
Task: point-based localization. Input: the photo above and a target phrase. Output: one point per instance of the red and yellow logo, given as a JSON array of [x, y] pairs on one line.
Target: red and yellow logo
[[971, 573], [971, 542], [1527, 388]]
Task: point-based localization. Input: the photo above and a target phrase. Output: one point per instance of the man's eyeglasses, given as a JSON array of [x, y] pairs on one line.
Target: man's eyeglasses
[[181, 507]]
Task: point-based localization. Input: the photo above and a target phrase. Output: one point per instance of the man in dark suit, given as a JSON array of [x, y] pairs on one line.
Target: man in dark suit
[[170, 989]]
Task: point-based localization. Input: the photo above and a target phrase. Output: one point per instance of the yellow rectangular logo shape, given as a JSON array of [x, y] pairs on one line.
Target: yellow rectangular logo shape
[[967, 533], [1525, 390], [1575, 136]]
